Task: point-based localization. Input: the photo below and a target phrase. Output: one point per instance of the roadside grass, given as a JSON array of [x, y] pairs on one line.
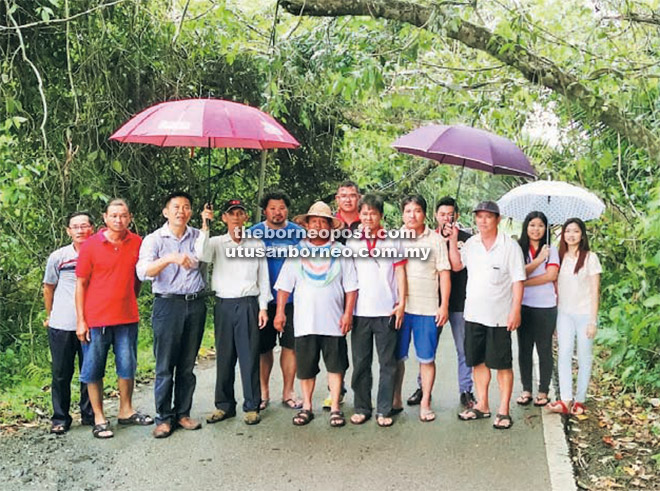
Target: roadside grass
[[27, 402]]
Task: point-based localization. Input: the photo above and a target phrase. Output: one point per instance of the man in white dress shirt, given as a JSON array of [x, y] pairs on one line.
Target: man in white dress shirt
[[242, 288]]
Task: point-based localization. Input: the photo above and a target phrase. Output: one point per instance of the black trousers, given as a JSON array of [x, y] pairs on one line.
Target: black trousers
[[64, 346], [178, 329], [536, 329], [365, 331], [236, 323]]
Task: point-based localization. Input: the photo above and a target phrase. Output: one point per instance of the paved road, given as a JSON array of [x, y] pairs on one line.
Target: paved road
[[446, 454]]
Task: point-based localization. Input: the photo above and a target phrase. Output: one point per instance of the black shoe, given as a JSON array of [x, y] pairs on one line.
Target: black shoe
[[467, 400], [415, 398]]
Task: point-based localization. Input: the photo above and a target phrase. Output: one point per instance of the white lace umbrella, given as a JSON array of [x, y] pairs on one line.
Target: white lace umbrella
[[558, 200]]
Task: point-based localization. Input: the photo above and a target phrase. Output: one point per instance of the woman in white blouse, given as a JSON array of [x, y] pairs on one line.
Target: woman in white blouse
[[578, 289]]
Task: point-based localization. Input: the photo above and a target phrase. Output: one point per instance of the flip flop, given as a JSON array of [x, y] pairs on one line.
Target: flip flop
[[396, 410], [477, 415], [292, 403], [384, 421], [337, 419], [426, 416], [364, 419], [502, 417], [541, 401], [102, 428], [524, 400], [558, 407], [138, 419], [264, 404], [303, 417], [578, 409]]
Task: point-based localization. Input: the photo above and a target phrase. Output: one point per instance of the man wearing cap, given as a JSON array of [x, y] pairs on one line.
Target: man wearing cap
[[240, 281], [277, 234], [324, 283], [496, 271], [167, 259], [59, 289], [427, 302]]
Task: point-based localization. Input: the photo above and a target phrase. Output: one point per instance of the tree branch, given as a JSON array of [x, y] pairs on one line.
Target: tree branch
[[59, 21], [535, 68]]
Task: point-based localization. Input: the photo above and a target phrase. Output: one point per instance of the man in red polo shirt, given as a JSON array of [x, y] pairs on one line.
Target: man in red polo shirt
[[107, 312]]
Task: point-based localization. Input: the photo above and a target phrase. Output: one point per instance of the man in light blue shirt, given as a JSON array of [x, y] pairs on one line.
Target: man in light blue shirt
[[167, 259]]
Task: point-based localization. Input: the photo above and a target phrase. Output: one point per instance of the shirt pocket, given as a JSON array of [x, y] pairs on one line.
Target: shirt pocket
[[497, 274]]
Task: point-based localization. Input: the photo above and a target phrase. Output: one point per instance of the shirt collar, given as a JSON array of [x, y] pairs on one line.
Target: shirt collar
[[166, 231], [101, 234]]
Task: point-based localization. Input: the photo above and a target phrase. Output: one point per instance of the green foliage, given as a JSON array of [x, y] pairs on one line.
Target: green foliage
[[345, 88]]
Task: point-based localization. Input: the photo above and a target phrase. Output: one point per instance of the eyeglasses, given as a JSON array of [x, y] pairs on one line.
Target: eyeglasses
[[80, 227]]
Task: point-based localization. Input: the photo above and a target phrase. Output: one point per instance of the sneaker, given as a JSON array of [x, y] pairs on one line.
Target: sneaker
[[415, 398], [467, 400]]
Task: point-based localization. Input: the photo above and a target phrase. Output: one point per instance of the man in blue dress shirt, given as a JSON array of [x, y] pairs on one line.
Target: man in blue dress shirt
[[167, 259]]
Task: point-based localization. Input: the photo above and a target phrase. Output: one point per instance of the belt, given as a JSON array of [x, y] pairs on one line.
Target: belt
[[185, 296]]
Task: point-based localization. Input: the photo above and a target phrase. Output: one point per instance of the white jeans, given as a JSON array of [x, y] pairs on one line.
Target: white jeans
[[570, 327]]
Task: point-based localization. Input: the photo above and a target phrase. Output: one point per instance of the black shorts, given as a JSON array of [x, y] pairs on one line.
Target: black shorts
[[489, 345], [308, 354], [268, 335]]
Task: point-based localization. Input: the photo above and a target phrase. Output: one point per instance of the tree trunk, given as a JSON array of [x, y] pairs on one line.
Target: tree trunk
[[535, 68]]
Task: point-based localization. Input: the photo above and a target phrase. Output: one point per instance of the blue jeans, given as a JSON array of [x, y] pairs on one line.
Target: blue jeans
[[569, 328], [457, 322], [123, 339], [178, 329]]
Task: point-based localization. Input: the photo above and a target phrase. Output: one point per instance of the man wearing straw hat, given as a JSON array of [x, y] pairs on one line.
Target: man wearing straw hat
[[324, 281]]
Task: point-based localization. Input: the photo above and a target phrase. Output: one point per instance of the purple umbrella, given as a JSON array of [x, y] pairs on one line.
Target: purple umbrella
[[466, 147]]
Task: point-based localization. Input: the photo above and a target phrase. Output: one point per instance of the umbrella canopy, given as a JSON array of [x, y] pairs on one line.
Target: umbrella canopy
[[211, 123], [467, 147], [205, 123], [558, 200]]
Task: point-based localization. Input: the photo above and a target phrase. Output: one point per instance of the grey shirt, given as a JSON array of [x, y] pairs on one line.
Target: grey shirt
[[174, 278], [61, 271]]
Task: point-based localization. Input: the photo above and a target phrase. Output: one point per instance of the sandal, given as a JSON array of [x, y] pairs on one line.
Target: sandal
[[426, 416], [337, 419], [558, 407], [360, 418], [472, 414], [524, 399], [384, 421], [58, 429], [220, 415], [578, 409], [100, 428], [264, 404], [498, 422], [541, 401], [396, 410], [292, 403], [138, 419], [303, 417]]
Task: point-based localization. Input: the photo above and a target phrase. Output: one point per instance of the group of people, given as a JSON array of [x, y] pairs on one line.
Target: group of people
[[307, 286]]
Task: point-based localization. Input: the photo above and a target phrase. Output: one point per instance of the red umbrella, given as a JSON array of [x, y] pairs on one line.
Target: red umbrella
[[206, 123]]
